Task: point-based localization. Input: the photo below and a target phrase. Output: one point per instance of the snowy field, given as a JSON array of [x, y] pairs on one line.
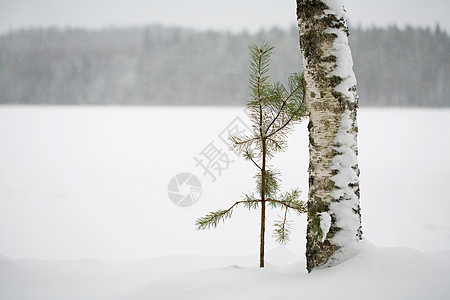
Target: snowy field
[[85, 211]]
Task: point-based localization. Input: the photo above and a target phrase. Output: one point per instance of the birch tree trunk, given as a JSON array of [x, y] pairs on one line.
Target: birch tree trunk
[[334, 219]]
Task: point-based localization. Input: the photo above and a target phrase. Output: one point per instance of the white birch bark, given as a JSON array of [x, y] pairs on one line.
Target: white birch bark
[[334, 219]]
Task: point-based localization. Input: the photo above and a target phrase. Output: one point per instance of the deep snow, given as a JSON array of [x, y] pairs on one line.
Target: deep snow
[[375, 273], [91, 182]]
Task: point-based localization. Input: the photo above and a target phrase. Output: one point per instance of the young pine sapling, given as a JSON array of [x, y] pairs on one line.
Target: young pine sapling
[[273, 111]]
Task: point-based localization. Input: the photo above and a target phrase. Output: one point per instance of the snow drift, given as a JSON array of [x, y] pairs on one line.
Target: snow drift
[[374, 273]]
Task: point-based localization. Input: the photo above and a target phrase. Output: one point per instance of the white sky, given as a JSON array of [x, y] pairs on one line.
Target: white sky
[[234, 15]]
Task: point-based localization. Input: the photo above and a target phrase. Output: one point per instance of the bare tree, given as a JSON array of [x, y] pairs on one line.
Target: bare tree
[[334, 219]]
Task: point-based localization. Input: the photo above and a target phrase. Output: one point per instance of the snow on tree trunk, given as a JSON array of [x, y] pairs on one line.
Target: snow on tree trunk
[[334, 219]]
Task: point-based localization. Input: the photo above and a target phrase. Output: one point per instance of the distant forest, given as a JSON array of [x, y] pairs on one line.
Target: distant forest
[[159, 65]]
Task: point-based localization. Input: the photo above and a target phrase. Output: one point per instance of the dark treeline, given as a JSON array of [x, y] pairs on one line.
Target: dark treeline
[[172, 66]]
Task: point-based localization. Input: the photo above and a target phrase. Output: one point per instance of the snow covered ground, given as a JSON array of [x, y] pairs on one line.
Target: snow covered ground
[[83, 186], [375, 273]]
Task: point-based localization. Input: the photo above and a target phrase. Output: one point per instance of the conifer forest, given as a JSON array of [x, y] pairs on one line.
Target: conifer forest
[[158, 65]]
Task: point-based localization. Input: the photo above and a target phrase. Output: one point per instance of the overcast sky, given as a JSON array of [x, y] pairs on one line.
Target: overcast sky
[[234, 15]]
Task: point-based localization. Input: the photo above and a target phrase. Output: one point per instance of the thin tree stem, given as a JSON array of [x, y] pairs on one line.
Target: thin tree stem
[[263, 168], [263, 204]]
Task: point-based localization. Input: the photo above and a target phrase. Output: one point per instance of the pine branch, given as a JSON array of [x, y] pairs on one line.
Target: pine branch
[[298, 206], [242, 143], [286, 123], [212, 219], [258, 80], [282, 229], [249, 156], [289, 200], [278, 145], [271, 184], [281, 109], [299, 85]]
